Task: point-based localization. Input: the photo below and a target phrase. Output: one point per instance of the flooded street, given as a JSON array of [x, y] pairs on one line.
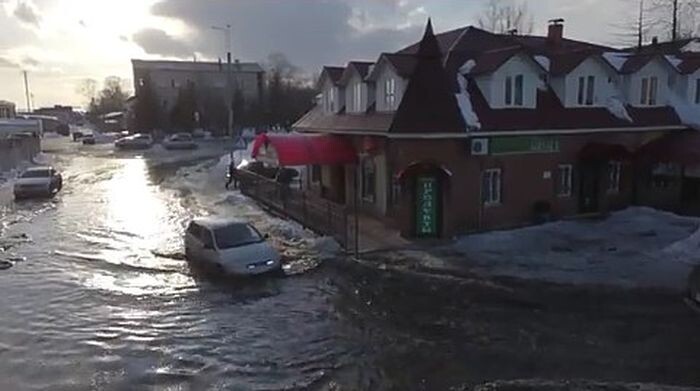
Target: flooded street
[[101, 298]]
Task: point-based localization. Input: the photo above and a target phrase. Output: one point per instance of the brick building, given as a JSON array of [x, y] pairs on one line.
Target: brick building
[[469, 131]]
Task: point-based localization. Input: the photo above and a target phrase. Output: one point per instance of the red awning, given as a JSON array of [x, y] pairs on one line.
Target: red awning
[[303, 149], [683, 148], [602, 152]]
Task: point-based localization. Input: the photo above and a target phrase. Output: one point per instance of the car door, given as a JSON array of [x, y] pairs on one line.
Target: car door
[[208, 250], [193, 244]]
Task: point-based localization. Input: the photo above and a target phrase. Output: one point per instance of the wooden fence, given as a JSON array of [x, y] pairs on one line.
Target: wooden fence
[[320, 215]]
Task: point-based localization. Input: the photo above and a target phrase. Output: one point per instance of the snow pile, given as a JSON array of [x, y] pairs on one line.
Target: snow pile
[[617, 108], [689, 115], [692, 47], [544, 62], [467, 67], [616, 59], [637, 247], [465, 105]]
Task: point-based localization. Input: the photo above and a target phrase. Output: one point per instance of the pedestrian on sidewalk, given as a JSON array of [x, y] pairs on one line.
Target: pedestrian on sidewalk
[[232, 174]]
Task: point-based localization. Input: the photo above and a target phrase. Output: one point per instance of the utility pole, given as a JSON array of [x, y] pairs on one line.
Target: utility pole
[[640, 25], [26, 92], [229, 94], [674, 33]]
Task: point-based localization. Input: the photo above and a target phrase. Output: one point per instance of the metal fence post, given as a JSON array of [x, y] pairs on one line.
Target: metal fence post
[[330, 219]]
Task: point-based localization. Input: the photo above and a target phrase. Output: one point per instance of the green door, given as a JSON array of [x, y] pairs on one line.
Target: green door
[[427, 198]]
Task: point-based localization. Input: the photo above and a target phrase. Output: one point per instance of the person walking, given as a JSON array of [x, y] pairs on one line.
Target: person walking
[[232, 174]]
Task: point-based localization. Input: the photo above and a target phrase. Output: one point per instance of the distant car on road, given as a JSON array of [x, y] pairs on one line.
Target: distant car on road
[[38, 182], [229, 246], [89, 139], [136, 141], [180, 141]]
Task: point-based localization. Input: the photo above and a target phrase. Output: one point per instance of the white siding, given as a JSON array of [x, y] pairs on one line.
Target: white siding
[[655, 68], [517, 65], [350, 90], [558, 85], [385, 74], [688, 88], [605, 83], [484, 84]]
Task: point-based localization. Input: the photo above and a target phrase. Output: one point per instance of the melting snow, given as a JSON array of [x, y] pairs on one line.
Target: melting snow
[[617, 108], [543, 61], [637, 247], [675, 61], [465, 104], [692, 46], [467, 67], [616, 59]]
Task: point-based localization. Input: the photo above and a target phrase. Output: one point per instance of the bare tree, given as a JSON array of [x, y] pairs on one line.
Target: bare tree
[[673, 19], [506, 16], [87, 88]]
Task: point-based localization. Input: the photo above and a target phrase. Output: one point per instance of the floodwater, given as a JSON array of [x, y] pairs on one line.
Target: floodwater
[[101, 298]]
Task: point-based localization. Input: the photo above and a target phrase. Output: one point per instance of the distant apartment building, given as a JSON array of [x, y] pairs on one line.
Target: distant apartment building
[[210, 79], [7, 109], [64, 114]]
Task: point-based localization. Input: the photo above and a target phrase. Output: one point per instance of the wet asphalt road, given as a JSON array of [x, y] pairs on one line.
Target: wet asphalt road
[[103, 300]]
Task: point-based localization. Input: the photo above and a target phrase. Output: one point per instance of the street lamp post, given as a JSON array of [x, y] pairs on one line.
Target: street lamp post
[[228, 95]]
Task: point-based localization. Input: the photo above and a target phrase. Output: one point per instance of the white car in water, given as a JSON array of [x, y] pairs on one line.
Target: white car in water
[[229, 246], [38, 182], [136, 141], [180, 141]]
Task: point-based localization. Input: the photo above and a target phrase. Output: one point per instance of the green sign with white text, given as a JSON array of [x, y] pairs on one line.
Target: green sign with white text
[[523, 144], [426, 204]]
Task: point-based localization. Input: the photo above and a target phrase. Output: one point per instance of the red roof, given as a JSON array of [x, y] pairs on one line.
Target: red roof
[[305, 149]]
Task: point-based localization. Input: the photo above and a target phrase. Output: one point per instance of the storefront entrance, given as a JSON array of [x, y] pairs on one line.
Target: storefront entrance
[[428, 206], [589, 188], [425, 186]]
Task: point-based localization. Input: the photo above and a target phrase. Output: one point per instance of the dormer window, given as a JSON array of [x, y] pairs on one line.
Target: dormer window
[[357, 97], [586, 90], [390, 94], [514, 90], [330, 100], [650, 87]]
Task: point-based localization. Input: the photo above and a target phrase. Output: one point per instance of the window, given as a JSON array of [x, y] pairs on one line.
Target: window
[[650, 86], [390, 93], [697, 91], [491, 186], [519, 90], [586, 90], [357, 97], [614, 171], [514, 90], [565, 180], [369, 179], [315, 173], [330, 100]]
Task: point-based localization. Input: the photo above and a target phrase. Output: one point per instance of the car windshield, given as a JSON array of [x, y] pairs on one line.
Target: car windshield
[[236, 235], [36, 174]]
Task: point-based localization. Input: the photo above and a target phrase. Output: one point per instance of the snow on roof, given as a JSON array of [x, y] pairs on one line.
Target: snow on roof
[[617, 108], [465, 104], [467, 67], [675, 61], [692, 47], [616, 59], [544, 62]]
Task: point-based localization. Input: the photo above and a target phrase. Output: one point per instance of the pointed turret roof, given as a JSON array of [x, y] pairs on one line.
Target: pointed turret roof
[[429, 104]]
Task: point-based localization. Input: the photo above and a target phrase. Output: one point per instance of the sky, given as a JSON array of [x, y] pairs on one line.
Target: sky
[[62, 42]]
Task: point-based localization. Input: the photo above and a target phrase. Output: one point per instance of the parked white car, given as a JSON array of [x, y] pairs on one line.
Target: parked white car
[[38, 182], [229, 246], [136, 141], [180, 141]]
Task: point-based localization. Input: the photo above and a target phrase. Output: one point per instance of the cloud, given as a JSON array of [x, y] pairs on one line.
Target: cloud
[[5, 63], [30, 62], [311, 33], [155, 41], [26, 13]]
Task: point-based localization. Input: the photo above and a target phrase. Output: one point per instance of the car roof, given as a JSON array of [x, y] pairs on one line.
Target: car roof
[[38, 168], [215, 222]]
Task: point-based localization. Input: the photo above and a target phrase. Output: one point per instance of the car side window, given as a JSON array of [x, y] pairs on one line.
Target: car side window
[[207, 239]]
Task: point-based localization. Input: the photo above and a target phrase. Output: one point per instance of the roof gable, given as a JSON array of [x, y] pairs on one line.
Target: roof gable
[[359, 68], [333, 74]]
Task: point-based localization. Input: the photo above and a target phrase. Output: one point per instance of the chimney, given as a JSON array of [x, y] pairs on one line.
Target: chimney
[[556, 31], [655, 41]]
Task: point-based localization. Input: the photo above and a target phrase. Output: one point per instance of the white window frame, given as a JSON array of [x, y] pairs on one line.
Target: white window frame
[[614, 175], [390, 93], [330, 100], [357, 97], [586, 90], [491, 186], [649, 91], [565, 180], [514, 96]]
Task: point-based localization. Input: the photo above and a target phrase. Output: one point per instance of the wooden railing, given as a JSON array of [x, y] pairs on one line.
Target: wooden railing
[[319, 215]]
